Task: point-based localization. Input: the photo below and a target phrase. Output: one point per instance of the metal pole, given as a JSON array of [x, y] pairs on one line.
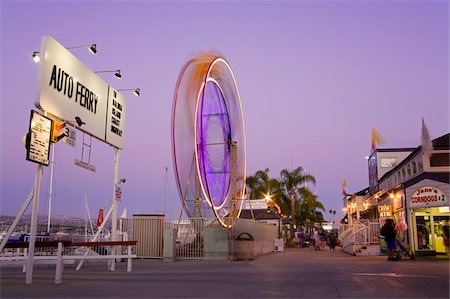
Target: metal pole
[[86, 206], [357, 209], [95, 237], [50, 193], [165, 192], [16, 220], [114, 205], [34, 216]]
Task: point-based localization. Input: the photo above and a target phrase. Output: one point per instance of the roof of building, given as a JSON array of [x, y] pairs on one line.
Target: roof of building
[[440, 143], [362, 192], [442, 177], [397, 149], [260, 214]]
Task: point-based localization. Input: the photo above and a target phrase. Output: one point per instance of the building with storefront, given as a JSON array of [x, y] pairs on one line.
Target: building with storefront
[[414, 192]]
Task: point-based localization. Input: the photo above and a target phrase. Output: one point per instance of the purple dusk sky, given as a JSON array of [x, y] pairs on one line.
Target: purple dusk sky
[[314, 76]]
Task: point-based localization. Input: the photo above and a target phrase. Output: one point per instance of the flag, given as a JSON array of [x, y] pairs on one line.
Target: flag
[[344, 185], [124, 213], [100, 217], [376, 139], [427, 145]]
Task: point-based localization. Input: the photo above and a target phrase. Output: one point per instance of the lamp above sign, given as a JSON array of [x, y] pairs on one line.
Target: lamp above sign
[[68, 89]]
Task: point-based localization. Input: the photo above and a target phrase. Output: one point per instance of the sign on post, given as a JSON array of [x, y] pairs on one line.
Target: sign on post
[[38, 138], [118, 193], [115, 118], [85, 165], [69, 90], [70, 137], [255, 204]]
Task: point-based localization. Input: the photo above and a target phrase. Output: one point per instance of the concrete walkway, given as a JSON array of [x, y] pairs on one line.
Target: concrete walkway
[[295, 273]]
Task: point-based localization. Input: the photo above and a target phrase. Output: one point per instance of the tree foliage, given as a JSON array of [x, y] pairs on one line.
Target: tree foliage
[[290, 192]]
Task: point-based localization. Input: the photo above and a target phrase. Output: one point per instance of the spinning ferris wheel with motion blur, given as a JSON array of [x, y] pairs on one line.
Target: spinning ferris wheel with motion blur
[[208, 140]]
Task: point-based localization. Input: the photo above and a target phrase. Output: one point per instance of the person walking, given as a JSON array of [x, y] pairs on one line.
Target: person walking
[[389, 234], [316, 239]]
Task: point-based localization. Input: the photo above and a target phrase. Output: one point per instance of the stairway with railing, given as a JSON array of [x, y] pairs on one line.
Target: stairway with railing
[[360, 238]]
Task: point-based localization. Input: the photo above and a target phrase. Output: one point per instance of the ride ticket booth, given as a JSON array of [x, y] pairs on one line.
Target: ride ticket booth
[[428, 207]]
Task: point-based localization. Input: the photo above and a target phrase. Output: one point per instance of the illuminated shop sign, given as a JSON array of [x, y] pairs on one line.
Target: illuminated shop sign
[[428, 197], [255, 204], [384, 211]]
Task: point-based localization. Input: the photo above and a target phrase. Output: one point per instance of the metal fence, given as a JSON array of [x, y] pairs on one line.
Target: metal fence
[[190, 236], [148, 230]]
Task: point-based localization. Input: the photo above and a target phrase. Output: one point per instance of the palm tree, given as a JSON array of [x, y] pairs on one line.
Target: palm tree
[[310, 209], [260, 185], [292, 184]]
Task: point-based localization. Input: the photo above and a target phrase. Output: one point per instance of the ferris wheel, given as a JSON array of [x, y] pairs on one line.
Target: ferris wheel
[[208, 140]]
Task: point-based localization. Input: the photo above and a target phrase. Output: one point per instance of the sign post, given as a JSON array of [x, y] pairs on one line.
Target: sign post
[[70, 91], [38, 150], [50, 193], [114, 205], [33, 230]]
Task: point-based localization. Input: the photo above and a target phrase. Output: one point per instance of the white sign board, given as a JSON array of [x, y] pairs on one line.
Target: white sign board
[[428, 197], [118, 193], [85, 165], [70, 137], [68, 89], [38, 140], [255, 204], [115, 119]]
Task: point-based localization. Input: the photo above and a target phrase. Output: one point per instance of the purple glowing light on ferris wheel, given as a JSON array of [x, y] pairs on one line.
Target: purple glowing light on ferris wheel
[[207, 118]]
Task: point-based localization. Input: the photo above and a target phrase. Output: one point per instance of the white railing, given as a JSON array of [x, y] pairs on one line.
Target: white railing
[[363, 233], [359, 235]]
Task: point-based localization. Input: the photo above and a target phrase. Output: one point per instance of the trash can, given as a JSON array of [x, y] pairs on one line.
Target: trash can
[[245, 248]]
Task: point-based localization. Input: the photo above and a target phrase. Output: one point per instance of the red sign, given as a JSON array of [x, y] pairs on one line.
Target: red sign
[[100, 217]]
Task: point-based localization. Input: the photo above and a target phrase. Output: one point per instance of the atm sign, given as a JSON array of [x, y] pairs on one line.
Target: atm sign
[[385, 211]]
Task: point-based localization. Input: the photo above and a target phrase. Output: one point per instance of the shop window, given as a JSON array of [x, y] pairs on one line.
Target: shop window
[[441, 230], [413, 167], [408, 171], [441, 159], [420, 165]]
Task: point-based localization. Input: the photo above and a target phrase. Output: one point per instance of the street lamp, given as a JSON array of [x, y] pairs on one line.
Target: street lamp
[[116, 73], [35, 56], [92, 48], [136, 91]]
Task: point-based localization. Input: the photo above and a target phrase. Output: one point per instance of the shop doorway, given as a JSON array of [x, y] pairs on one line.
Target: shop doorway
[[423, 233], [429, 230]]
